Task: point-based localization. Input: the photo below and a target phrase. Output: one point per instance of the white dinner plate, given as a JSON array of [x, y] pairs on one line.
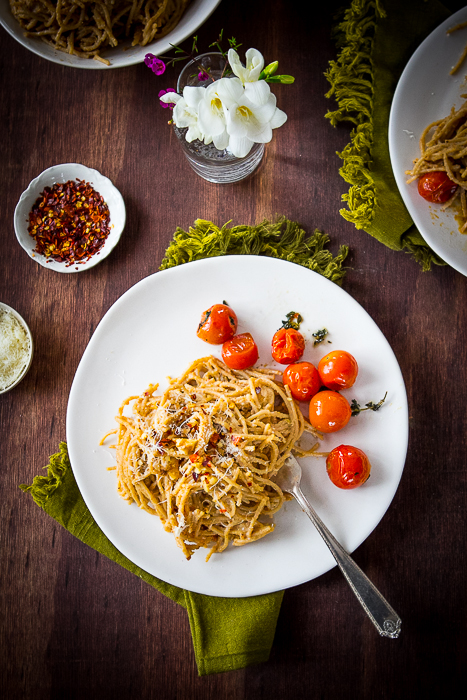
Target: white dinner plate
[[122, 55], [150, 333], [426, 92]]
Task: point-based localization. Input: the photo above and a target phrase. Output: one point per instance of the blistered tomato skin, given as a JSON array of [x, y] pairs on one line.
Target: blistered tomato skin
[[218, 324], [436, 187], [348, 467], [240, 352], [338, 370], [329, 411], [288, 346], [303, 380]]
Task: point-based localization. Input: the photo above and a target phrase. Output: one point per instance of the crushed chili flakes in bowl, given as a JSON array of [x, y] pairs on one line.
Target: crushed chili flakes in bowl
[[70, 258], [70, 222]]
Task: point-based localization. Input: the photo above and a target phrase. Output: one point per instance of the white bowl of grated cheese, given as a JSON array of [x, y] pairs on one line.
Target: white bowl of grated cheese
[[16, 348]]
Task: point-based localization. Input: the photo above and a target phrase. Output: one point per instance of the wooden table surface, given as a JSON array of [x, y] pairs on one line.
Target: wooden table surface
[[74, 624]]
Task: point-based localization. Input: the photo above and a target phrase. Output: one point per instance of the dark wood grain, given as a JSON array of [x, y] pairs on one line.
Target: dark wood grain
[[75, 625]]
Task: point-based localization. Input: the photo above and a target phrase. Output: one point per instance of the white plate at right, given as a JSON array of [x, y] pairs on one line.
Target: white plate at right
[[427, 92]]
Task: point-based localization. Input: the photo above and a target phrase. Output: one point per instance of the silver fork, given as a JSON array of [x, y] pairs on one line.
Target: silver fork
[[384, 618]]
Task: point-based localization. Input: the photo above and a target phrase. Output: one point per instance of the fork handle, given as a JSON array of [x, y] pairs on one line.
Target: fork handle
[[384, 618]]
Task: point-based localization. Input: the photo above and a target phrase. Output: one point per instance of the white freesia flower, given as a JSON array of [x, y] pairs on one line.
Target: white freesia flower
[[232, 113], [170, 97], [254, 65], [185, 112], [212, 115], [251, 115]]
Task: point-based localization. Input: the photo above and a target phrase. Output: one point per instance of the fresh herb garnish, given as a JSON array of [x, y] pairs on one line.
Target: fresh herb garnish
[[293, 320], [370, 406], [320, 336]]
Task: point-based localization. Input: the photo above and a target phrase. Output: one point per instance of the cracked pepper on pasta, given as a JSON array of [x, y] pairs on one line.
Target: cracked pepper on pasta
[[202, 456]]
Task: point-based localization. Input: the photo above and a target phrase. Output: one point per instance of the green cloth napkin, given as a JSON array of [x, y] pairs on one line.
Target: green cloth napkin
[[375, 40], [228, 633]]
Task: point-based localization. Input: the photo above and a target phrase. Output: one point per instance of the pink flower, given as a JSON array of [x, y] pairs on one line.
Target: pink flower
[[202, 75], [164, 104], [155, 64]]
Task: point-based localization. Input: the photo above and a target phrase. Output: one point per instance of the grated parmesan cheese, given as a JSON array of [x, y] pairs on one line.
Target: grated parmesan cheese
[[14, 349]]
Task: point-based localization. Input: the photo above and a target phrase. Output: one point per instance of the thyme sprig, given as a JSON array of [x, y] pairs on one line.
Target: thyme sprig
[[370, 406], [268, 73], [190, 55], [218, 44]]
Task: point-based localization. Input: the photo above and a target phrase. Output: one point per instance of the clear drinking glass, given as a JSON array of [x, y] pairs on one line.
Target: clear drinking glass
[[206, 160]]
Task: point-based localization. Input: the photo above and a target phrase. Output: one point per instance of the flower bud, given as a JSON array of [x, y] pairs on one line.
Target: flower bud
[[271, 68], [284, 79]]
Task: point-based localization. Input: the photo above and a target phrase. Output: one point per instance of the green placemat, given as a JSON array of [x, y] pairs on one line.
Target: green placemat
[[375, 40], [228, 633]]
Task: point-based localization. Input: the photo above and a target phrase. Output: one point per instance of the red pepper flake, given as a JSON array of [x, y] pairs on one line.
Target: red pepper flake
[[193, 457], [70, 222]]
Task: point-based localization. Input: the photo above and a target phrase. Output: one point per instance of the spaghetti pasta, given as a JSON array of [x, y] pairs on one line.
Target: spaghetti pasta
[[85, 27], [202, 456], [463, 55], [443, 147]]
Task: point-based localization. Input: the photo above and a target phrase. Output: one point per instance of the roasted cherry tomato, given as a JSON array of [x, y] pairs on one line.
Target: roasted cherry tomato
[[240, 352], [303, 380], [436, 186], [287, 346], [348, 467], [218, 324], [329, 411], [338, 370]]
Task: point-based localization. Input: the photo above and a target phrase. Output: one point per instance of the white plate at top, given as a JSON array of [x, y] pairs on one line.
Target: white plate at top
[[150, 333], [426, 92], [122, 55]]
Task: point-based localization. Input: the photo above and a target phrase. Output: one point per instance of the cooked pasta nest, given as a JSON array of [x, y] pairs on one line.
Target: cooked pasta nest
[[85, 27], [443, 147], [203, 455]]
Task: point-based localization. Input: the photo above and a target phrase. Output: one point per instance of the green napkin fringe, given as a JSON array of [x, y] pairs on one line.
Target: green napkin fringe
[[351, 78], [283, 239], [421, 252], [43, 487], [224, 631]]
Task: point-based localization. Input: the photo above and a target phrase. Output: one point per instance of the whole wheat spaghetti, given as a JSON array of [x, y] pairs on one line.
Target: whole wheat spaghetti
[[202, 456], [85, 27], [443, 147], [463, 55]]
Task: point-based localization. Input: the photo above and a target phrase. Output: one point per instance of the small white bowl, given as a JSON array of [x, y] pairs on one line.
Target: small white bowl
[[27, 365], [63, 173], [122, 55]]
